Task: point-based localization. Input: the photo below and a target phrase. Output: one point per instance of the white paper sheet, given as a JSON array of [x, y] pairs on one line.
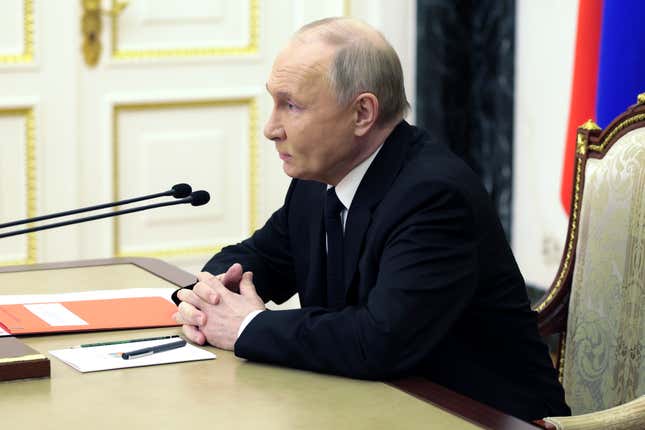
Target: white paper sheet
[[55, 314], [108, 356]]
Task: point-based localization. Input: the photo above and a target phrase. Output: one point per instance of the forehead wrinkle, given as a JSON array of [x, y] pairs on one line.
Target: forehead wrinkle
[[300, 72], [290, 78]]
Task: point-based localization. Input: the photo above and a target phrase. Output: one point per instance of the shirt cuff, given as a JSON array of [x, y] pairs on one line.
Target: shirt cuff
[[247, 319]]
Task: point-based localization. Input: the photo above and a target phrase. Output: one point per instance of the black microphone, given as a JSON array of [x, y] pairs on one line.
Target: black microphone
[[177, 191], [197, 198]]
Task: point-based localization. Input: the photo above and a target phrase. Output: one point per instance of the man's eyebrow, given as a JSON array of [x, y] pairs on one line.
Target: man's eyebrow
[[279, 94]]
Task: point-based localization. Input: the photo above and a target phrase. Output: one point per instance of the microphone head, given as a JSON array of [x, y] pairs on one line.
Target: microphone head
[[199, 198], [181, 190]]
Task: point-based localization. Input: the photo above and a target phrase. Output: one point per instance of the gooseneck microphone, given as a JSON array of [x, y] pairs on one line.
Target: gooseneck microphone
[[177, 191], [197, 198]]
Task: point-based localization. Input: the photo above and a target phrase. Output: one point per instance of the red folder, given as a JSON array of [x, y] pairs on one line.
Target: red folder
[[108, 314]]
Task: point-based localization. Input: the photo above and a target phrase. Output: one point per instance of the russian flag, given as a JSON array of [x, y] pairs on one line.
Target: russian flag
[[609, 70]]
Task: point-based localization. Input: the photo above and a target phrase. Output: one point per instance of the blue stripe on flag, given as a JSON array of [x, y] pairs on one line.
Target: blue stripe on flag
[[621, 74]]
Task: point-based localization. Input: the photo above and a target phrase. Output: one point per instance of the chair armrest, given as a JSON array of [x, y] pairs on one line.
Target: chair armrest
[[627, 416]]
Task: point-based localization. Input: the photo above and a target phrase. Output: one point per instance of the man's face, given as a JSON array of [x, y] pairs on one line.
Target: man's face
[[313, 134]]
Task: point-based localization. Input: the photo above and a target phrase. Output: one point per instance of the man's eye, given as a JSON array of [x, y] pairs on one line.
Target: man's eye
[[291, 106]]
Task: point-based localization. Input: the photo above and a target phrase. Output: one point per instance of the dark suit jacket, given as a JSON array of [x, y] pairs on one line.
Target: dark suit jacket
[[432, 286]]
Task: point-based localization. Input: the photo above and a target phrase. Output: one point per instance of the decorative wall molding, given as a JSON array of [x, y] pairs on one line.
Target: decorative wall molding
[[251, 47], [251, 104], [27, 55], [30, 178]]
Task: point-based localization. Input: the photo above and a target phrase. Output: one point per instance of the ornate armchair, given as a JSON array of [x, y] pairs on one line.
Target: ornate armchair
[[597, 300]]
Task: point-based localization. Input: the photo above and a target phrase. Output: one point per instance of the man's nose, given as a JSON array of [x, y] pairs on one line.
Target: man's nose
[[273, 130]]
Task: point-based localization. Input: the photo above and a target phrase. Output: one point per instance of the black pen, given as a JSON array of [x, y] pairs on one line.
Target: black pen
[[153, 350]]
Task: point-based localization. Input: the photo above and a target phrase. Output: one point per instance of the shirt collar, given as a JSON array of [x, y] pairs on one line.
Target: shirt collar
[[346, 188]]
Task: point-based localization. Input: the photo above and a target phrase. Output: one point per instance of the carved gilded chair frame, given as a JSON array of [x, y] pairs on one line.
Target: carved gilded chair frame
[[591, 142]]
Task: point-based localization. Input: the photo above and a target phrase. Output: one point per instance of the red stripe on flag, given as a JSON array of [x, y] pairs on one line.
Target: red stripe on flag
[[583, 88]]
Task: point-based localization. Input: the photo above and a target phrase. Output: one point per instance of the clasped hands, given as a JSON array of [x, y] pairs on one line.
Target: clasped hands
[[215, 308]]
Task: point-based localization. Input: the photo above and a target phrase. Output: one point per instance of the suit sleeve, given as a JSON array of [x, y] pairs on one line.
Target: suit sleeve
[[267, 253], [426, 275]]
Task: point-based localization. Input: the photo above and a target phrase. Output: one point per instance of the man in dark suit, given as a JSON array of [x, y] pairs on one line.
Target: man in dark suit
[[390, 240]]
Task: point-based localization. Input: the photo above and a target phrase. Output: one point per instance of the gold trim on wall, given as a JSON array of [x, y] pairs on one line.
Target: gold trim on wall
[[27, 55], [30, 173], [254, 164], [347, 8], [252, 106], [250, 48]]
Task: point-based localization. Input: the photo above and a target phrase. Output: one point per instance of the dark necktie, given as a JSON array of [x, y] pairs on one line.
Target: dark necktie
[[334, 229]]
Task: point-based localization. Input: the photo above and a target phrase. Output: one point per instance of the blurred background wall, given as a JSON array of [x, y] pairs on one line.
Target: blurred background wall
[[106, 100]]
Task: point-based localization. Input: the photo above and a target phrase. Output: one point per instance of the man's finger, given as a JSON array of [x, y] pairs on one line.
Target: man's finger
[[193, 334], [221, 291], [204, 291], [186, 295], [188, 314], [247, 288], [232, 277], [204, 276]]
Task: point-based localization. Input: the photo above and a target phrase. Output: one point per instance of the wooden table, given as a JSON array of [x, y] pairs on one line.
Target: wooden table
[[226, 393]]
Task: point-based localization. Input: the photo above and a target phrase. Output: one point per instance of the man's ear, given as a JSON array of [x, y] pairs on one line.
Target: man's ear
[[366, 109]]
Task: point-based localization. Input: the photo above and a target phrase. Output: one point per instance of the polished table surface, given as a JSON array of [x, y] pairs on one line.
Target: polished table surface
[[227, 392]]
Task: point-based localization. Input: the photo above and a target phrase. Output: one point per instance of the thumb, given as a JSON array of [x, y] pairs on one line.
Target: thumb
[[232, 277], [247, 288]]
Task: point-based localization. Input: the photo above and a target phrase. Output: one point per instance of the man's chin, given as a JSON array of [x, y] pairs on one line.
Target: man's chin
[[294, 173], [287, 169]]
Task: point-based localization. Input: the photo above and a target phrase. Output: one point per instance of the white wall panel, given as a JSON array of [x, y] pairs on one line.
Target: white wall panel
[[167, 26], [12, 27], [38, 80], [207, 144], [17, 33]]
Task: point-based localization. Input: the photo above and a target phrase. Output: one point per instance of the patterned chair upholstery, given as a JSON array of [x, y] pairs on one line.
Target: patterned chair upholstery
[[597, 301]]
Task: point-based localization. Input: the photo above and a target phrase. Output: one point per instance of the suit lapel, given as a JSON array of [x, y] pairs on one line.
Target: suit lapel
[[370, 192]]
